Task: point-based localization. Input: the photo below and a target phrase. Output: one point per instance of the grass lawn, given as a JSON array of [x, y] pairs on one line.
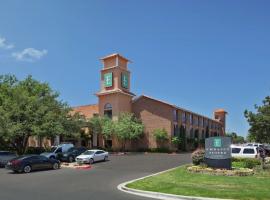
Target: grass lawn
[[181, 182]]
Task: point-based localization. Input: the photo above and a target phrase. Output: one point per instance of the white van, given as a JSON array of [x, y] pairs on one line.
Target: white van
[[244, 152], [56, 150]]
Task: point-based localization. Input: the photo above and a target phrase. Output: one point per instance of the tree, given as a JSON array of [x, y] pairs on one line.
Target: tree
[[259, 122], [101, 125], [94, 125], [107, 126], [127, 128], [30, 108], [236, 139]]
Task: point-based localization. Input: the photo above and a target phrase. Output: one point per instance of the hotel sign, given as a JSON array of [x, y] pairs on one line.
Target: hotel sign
[[124, 80], [218, 152], [108, 79]]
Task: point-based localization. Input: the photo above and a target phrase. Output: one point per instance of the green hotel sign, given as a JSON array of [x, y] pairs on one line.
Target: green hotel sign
[[218, 152], [124, 80], [217, 142], [108, 79]]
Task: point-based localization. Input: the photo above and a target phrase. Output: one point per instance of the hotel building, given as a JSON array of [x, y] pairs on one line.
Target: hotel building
[[115, 97]]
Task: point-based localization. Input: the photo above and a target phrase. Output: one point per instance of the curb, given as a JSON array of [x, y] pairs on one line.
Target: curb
[[158, 195]]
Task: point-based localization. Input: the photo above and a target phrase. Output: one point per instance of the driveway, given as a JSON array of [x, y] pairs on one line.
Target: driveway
[[98, 183]]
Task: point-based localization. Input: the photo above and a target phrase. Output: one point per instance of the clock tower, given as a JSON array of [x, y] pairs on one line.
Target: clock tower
[[114, 96]]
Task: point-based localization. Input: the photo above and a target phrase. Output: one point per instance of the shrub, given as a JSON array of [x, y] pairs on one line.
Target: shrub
[[35, 150], [198, 156], [221, 172], [245, 162], [160, 150], [161, 134], [176, 140]]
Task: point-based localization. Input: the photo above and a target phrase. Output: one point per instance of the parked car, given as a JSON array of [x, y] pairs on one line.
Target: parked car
[[56, 151], [254, 145], [244, 151], [6, 156], [267, 149], [28, 163], [91, 156], [72, 153]]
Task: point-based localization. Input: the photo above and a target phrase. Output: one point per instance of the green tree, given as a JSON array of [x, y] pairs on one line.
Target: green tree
[[236, 139], [161, 135], [127, 128], [107, 126], [101, 125], [94, 125], [30, 108], [259, 122]]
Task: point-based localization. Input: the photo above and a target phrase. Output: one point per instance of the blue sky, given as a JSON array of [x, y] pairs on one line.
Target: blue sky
[[200, 55]]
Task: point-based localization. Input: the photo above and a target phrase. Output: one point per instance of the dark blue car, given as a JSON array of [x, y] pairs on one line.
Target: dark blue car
[[28, 163]]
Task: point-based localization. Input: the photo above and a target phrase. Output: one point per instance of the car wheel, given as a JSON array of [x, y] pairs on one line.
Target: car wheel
[[56, 166], [106, 158], [70, 159], [27, 169], [91, 161]]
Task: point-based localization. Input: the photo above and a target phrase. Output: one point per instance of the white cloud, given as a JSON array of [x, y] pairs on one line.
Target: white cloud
[[4, 44], [29, 54]]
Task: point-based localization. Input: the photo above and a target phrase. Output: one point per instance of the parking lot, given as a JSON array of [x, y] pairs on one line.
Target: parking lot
[[99, 182]]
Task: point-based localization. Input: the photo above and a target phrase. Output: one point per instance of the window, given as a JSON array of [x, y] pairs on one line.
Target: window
[[175, 130], [206, 122], [190, 119], [196, 121], [43, 158], [59, 150], [183, 117], [203, 122], [191, 133], [108, 110], [175, 115], [248, 151], [4, 153], [203, 135], [99, 152], [236, 150], [200, 122]]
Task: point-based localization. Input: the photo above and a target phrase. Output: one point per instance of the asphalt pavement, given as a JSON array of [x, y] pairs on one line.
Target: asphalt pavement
[[98, 183]]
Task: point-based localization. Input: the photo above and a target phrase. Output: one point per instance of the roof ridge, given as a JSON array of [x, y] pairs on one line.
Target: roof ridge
[[172, 105], [84, 105]]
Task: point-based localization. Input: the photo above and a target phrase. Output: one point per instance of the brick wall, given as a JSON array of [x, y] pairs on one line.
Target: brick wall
[[153, 114]]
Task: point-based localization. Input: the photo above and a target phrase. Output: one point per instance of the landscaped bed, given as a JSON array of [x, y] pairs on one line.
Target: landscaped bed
[[182, 182]]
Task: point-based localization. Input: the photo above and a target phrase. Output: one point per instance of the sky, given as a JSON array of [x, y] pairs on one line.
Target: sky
[[199, 55]]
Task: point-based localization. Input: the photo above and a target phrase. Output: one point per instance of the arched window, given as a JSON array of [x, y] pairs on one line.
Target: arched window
[[108, 110], [108, 106]]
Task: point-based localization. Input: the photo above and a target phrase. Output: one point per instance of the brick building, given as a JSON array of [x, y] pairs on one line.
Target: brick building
[[115, 97]]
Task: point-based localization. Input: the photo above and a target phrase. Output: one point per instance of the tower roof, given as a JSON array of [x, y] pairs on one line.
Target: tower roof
[[220, 111], [114, 55]]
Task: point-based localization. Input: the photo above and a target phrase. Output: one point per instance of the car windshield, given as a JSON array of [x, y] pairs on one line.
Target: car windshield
[[71, 150], [88, 153], [52, 149]]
